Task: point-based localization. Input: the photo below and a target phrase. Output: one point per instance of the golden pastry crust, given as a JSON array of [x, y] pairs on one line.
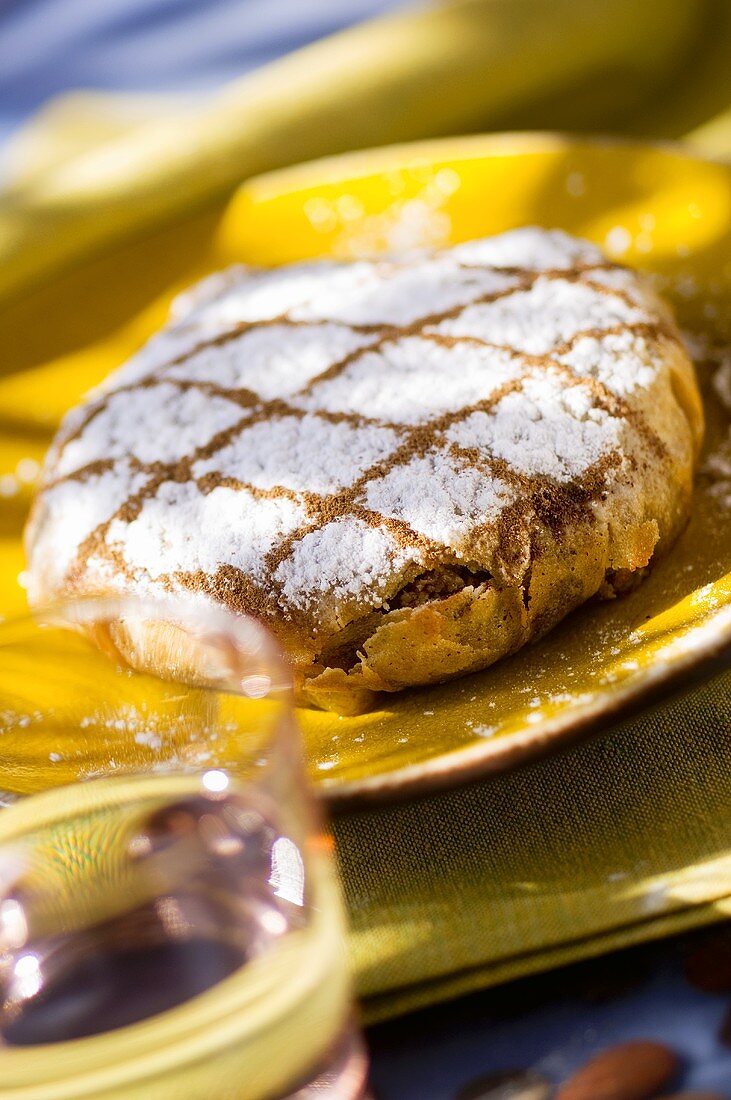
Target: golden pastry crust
[[409, 469]]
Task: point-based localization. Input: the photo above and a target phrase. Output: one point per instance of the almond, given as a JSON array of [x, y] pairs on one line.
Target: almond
[[628, 1071]]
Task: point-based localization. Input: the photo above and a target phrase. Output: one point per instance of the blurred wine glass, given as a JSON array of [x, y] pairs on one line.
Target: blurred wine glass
[[170, 920]]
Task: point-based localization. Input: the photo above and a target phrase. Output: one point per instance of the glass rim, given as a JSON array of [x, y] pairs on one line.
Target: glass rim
[[248, 638], [237, 1011]]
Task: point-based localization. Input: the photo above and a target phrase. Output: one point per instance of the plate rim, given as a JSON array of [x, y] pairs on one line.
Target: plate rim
[[374, 159], [698, 664]]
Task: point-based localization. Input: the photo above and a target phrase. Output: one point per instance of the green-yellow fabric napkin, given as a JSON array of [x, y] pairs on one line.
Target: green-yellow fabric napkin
[[620, 839]]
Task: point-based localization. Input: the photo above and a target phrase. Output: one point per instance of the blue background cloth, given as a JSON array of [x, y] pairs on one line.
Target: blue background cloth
[[551, 1023], [51, 46]]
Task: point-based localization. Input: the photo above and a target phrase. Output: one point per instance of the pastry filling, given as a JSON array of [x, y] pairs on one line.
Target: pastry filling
[[436, 584]]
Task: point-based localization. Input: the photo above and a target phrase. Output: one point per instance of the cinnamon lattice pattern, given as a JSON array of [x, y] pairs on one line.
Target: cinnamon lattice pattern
[[321, 430]]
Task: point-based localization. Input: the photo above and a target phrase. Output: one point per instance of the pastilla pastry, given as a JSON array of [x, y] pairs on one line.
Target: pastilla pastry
[[408, 468]]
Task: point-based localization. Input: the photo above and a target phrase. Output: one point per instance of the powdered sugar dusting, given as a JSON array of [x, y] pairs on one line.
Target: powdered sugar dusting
[[536, 250], [183, 530], [273, 361], [605, 358], [557, 311], [547, 429], [167, 424], [71, 510], [452, 496], [300, 453], [414, 379], [323, 431], [340, 560], [402, 293]]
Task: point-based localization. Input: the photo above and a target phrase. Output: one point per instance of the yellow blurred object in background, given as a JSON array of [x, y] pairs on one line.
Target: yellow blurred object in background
[[453, 67]]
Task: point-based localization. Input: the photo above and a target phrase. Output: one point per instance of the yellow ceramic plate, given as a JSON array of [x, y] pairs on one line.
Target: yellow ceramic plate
[[647, 205]]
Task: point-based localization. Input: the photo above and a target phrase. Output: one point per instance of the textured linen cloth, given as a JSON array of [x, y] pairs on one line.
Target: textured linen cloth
[[624, 838], [619, 840]]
